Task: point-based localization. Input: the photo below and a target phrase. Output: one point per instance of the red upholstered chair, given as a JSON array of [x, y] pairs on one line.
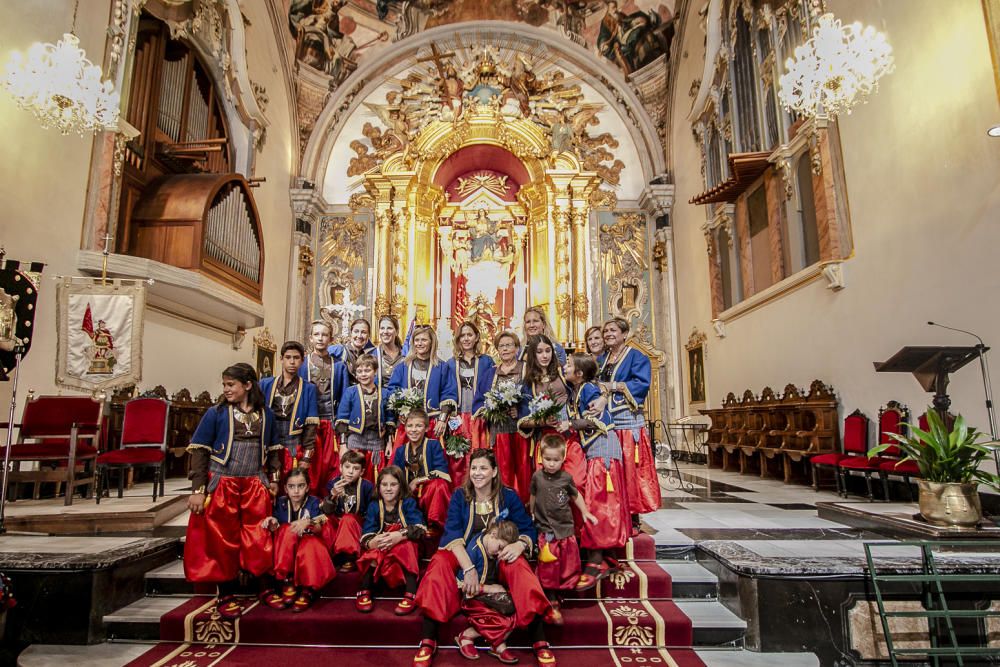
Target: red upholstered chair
[[855, 442], [144, 444], [890, 419], [56, 431]]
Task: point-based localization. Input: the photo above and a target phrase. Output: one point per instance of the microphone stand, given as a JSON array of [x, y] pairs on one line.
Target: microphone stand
[[984, 368]]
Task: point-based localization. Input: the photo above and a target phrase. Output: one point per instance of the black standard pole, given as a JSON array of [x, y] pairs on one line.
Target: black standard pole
[[10, 435]]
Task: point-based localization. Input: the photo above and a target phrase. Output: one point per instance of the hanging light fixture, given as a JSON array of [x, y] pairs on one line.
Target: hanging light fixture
[[62, 87], [838, 68]]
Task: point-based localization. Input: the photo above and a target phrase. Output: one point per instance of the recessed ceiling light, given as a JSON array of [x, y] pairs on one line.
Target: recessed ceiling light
[[994, 131]]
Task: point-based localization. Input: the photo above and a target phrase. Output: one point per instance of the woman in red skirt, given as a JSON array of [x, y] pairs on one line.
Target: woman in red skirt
[[393, 527], [469, 371], [482, 500]]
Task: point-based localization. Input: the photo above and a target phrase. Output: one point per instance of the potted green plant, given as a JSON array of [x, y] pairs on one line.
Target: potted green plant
[[949, 469]]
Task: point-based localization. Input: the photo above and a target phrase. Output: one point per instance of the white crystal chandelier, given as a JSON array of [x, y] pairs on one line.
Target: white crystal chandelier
[[62, 87], [836, 69]]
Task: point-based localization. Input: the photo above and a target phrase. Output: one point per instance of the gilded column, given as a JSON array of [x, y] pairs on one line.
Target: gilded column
[[581, 304], [563, 286], [383, 262]]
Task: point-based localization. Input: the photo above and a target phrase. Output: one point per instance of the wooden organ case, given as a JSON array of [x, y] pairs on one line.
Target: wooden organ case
[[203, 222], [181, 202]]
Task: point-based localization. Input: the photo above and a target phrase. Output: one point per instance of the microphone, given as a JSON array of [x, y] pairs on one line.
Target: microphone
[[935, 324]]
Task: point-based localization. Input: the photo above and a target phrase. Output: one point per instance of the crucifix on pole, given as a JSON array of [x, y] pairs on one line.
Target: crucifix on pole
[[104, 261]]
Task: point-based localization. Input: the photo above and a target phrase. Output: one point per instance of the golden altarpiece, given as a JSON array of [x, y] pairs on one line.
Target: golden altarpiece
[[481, 194]]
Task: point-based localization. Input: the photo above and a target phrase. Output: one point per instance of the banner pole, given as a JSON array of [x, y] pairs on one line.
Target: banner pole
[[10, 435]]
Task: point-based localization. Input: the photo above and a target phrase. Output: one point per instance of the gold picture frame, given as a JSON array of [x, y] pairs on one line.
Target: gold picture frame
[[265, 353], [695, 346], [991, 14]]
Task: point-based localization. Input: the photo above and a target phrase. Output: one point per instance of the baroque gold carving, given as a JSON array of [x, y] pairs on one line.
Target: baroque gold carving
[[603, 199], [660, 255], [581, 306], [491, 182]]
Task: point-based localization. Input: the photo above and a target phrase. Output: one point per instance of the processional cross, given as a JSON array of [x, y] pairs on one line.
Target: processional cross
[[347, 310], [437, 59]]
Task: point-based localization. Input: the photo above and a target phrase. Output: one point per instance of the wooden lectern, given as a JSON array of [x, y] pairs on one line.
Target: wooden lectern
[[931, 366]]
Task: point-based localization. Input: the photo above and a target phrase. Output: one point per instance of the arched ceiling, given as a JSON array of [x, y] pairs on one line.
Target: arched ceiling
[[618, 126]]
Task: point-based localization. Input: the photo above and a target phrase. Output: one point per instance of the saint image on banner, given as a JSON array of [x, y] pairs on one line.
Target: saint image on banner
[[102, 353]]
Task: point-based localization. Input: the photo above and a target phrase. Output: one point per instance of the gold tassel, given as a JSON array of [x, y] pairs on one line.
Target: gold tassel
[[607, 480], [208, 499], [635, 447], [546, 555]]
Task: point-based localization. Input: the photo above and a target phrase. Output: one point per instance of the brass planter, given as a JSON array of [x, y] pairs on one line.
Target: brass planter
[[950, 503]]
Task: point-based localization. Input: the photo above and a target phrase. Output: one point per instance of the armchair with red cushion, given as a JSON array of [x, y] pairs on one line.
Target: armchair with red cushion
[[56, 431], [855, 442], [143, 444], [890, 419]]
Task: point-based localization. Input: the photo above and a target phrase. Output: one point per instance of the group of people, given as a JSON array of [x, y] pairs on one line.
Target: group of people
[[323, 469]]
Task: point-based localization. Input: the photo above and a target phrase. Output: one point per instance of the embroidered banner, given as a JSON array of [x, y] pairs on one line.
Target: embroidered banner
[[18, 296], [99, 333]]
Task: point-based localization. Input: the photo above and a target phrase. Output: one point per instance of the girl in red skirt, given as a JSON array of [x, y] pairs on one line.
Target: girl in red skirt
[[604, 489], [491, 613], [393, 527], [543, 376], [553, 494], [470, 371], [235, 457], [346, 506], [301, 560]]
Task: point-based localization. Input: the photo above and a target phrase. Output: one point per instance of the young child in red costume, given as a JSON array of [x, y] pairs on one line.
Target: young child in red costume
[[491, 613], [392, 529], [301, 559], [553, 494], [346, 506]]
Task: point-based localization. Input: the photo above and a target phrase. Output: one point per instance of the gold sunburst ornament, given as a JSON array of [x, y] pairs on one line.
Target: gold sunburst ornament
[[836, 69]]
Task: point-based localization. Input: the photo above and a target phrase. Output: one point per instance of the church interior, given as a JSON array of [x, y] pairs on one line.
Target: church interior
[[754, 196]]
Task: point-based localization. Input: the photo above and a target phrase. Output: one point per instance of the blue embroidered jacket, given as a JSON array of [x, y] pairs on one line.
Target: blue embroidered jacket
[[284, 513], [633, 370], [304, 409], [351, 411], [458, 527], [215, 433], [439, 389], [354, 502], [410, 517], [433, 462], [489, 379], [596, 426], [480, 383], [339, 380]]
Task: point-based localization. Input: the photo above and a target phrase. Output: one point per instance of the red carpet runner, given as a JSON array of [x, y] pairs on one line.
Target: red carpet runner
[[630, 624]]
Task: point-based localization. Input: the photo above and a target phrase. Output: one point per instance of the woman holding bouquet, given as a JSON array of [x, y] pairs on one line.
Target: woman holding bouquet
[[470, 371], [544, 398], [624, 377], [425, 374], [500, 407]]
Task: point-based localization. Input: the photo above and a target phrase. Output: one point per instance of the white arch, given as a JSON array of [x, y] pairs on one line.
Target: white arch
[[607, 80]]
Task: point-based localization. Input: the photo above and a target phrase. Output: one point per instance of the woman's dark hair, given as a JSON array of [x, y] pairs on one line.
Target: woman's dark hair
[[533, 371], [397, 473], [458, 334], [243, 373], [298, 472], [586, 364], [395, 325], [496, 485]]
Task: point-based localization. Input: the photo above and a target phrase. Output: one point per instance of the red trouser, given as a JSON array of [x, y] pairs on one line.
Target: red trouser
[[306, 557], [605, 495], [433, 497], [643, 487], [227, 536], [342, 535], [391, 565], [562, 573], [438, 595], [491, 624], [326, 459], [514, 462]]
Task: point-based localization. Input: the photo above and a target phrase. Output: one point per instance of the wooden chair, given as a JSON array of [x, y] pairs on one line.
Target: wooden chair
[[143, 444], [773, 419], [818, 433], [855, 442], [896, 423], [56, 430]]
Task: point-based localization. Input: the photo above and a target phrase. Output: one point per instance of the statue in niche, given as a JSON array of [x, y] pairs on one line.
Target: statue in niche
[[484, 240]]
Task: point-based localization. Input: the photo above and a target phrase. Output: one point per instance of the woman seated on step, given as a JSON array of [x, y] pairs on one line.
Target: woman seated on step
[[480, 501]]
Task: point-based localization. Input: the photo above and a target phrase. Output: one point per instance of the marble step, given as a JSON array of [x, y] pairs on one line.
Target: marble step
[[712, 623], [690, 580], [111, 654]]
